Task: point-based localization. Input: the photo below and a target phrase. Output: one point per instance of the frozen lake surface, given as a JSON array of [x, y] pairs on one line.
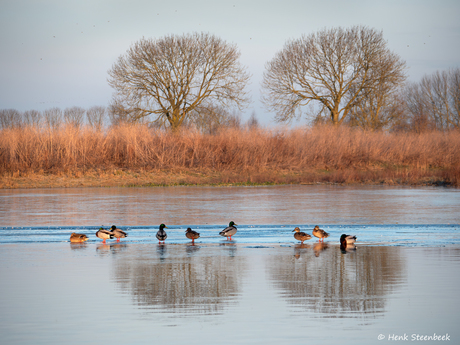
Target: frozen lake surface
[[379, 215], [261, 288]]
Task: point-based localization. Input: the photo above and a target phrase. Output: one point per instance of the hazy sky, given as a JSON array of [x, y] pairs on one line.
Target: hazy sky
[[56, 53]]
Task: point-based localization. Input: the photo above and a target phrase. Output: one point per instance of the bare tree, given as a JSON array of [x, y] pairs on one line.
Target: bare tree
[[117, 114], [10, 118], [419, 119], [74, 116], [53, 117], [378, 110], [253, 121], [208, 118], [96, 116], [168, 78], [32, 118], [441, 98], [434, 102], [336, 68]]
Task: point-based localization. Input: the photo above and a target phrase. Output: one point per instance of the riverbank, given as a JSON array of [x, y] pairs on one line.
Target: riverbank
[[394, 176], [136, 155]]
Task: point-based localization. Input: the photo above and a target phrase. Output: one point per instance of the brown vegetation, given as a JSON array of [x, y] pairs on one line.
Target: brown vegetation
[[138, 155]]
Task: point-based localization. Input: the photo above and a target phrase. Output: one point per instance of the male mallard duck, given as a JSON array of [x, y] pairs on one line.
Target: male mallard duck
[[117, 233], [104, 234], [301, 236], [78, 238], [320, 233], [193, 235], [161, 234], [347, 242], [229, 231], [347, 239]]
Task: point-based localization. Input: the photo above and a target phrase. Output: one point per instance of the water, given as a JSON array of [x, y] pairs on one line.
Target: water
[[275, 205], [261, 288]]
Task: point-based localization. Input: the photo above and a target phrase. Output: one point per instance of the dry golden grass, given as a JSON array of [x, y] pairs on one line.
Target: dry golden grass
[[137, 155]]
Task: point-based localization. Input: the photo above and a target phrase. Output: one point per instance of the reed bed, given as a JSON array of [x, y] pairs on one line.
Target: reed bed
[[308, 155]]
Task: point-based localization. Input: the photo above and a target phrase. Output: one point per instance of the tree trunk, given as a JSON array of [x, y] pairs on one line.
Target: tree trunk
[[335, 117]]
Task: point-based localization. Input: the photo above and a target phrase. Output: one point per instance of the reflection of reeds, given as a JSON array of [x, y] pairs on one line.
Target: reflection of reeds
[[319, 154], [339, 285], [186, 283]]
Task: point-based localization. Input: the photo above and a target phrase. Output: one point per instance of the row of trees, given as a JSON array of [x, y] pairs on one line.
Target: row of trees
[[209, 120], [341, 76], [96, 117], [335, 75]]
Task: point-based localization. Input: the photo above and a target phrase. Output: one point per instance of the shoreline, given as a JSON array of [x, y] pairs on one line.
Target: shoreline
[[164, 178]]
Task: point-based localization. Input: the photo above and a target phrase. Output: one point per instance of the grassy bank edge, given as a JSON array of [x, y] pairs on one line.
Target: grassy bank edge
[[390, 176]]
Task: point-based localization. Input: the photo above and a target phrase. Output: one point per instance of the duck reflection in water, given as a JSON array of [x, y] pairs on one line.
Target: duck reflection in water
[[230, 246], [162, 251], [78, 246], [190, 249], [185, 284], [104, 248], [319, 247], [300, 249], [354, 286]]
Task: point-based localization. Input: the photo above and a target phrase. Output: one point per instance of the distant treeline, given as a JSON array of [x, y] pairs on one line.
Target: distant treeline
[[322, 153], [431, 104]]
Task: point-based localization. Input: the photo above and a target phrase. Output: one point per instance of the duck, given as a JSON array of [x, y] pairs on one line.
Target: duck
[[229, 231], [320, 233], [78, 238], [118, 233], [104, 234], [347, 242], [347, 239], [301, 236], [161, 234], [193, 235]]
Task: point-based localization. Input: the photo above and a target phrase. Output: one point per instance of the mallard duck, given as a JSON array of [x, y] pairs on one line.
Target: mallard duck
[[104, 234], [320, 233], [193, 235], [347, 239], [229, 231], [301, 236], [347, 242], [78, 238], [117, 233], [161, 234]]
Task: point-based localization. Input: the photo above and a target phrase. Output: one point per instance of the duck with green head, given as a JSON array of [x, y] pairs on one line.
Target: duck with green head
[[161, 234], [104, 234], [117, 233], [229, 231], [347, 242]]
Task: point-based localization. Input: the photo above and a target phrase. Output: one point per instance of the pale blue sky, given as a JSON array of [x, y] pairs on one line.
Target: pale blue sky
[[57, 52]]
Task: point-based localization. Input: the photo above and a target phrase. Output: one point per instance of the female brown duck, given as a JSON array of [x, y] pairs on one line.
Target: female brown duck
[[320, 233], [193, 235], [301, 236]]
